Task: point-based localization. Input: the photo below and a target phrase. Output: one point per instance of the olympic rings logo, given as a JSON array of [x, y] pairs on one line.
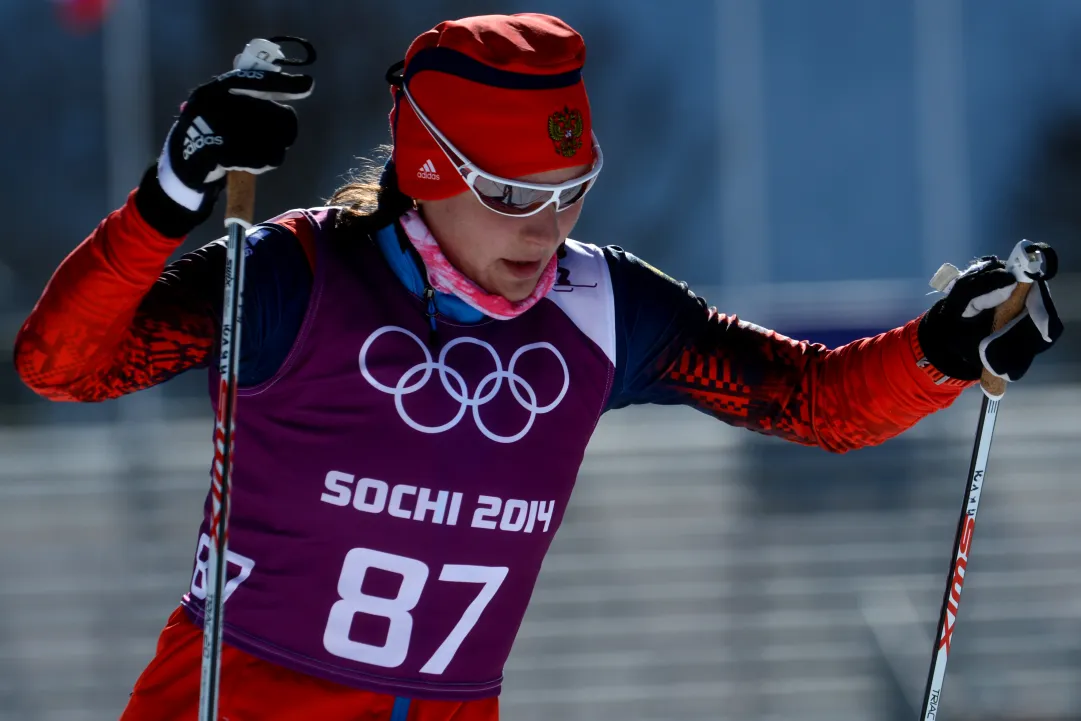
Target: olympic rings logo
[[455, 385]]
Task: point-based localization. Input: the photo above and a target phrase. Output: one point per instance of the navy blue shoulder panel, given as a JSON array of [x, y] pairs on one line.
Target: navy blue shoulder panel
[[277, 284], [655, 317]]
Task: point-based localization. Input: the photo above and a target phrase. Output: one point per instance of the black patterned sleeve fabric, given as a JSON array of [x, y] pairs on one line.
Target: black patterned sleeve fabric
[[673, 348]]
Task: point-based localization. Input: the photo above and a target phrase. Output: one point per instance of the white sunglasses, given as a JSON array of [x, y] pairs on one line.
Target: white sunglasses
[[504, 195]]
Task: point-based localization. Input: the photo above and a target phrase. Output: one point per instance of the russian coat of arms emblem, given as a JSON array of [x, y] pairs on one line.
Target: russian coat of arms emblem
[[565, 129]]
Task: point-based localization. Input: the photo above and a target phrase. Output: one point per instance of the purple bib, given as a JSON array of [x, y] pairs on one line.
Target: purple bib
[[393, 501]]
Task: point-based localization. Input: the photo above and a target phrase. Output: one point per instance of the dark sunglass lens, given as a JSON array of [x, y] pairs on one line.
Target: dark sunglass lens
[[510, 199], [572, 195]]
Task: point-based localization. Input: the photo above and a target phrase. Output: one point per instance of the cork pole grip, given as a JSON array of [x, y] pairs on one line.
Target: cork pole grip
[[240, 196], [1004, 313]]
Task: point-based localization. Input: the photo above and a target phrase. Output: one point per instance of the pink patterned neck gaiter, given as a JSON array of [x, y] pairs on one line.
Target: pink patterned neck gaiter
[[445, 278]]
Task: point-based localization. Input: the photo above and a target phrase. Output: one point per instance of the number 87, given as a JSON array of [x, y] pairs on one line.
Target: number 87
[[414, 575]]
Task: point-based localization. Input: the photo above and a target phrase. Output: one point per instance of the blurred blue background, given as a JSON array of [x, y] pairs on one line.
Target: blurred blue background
[[805, 164]]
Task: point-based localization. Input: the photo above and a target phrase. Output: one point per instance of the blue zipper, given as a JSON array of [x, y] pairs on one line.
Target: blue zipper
[[401, 709]]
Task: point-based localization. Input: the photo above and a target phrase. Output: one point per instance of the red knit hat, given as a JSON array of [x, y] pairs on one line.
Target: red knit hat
[[505, 90]]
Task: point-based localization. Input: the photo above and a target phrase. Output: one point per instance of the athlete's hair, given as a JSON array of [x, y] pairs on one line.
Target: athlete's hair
[[370, 198]]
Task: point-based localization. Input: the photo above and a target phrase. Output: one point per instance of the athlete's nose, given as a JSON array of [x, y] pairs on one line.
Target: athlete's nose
[[542, 228]]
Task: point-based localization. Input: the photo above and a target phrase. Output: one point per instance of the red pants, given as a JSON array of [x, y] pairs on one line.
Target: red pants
[[254, 690]]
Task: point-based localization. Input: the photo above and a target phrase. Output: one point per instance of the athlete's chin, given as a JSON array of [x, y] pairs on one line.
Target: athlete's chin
[[516, 290], [513, 285]]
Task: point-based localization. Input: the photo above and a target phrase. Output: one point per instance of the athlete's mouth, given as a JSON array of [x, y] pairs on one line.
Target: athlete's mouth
[[522, 268]]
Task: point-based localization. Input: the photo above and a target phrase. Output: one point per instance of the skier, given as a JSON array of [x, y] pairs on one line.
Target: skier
[[423, 362]]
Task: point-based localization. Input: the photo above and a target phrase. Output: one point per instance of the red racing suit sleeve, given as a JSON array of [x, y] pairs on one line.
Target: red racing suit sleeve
[[115, 318], [91, 337], [671, 348]]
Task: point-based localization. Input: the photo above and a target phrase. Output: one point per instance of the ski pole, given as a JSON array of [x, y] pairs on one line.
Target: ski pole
[[267, 56], [1027, 263]]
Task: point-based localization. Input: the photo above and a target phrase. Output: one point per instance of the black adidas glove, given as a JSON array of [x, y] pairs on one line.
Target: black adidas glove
[[237, 121], [956, 336]]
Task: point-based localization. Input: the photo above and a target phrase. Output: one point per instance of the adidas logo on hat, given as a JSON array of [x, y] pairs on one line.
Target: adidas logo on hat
[[427, 171]]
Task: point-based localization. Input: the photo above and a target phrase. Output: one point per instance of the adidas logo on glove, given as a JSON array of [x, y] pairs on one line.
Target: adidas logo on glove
[[199, 136], [427, 171]]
